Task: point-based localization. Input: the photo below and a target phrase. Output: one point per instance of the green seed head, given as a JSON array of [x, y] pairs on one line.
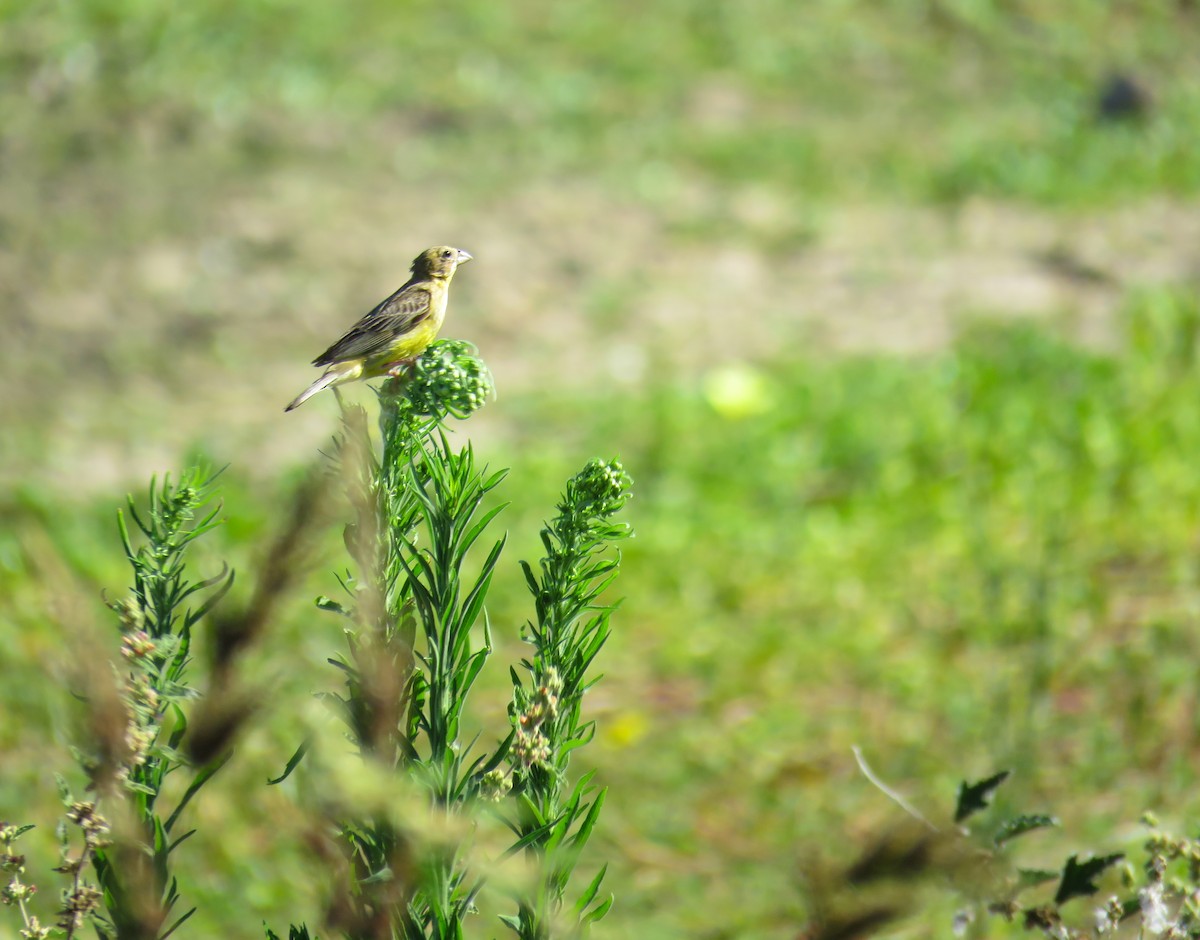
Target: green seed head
[[449, 378], [599, 489]]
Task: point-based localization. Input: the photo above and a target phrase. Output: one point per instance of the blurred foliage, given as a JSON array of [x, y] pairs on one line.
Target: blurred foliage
[[933, 98], [982, 557], [986, 556]]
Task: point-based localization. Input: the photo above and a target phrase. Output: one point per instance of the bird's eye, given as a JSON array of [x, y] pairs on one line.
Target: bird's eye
[[447, 253]]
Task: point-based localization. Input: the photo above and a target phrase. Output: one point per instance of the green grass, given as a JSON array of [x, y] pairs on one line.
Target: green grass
[[983, 559], [938, 100], [980, 559]]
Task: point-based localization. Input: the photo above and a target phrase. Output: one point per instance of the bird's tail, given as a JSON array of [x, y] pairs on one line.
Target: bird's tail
[[347, 372]]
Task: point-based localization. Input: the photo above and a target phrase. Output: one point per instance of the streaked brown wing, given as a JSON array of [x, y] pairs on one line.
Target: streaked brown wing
[[375, 332]]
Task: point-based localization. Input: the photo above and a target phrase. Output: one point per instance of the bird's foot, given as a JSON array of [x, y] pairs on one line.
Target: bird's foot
[[401, 367]]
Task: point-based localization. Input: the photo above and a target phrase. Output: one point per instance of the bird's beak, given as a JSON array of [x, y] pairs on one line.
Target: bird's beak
[[463, 256]]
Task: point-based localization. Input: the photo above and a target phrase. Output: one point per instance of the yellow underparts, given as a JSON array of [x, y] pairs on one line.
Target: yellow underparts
[[409, 346]]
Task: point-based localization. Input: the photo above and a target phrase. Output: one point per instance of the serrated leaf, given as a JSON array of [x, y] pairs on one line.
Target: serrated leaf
[[972, 797], [328, 603], [1079, 878], [1031, 877], [1019, 825]]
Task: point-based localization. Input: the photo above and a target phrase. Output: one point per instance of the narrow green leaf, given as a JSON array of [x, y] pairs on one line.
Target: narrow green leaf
[[589, 821], [202, 777], [498, 757], [530, 838], [589, 893], [123, 529], [183, 838], [597, 913], [137, 520], [180, 726], [194, 617], [342, 665], [560, 830], [292, 764], [206, 583], [474, 600], [382, 876], [490, 483], [471, 673], [175, 926], [160, 850], [582, 787], [472, 534], [530, 579]]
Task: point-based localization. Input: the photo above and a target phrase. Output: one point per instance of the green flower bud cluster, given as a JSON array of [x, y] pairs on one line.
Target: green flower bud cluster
[[600, 489], [449, 378]]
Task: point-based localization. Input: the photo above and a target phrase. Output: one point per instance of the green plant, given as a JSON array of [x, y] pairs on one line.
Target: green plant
[[136, 731], [978, 856], [157, 620], [418, 508], [554, 821], [1161, 896], [407, 870]]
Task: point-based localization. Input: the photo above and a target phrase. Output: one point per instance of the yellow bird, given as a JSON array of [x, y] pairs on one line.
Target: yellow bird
[[389, 338]]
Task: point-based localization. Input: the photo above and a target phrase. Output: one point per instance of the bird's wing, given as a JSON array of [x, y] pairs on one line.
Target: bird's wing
[[379, 329]]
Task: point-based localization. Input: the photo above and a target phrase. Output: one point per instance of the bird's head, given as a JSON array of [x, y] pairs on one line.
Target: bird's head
[[439, 261]]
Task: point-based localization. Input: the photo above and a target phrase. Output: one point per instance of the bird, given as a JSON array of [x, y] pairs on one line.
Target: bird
[[389, 339]]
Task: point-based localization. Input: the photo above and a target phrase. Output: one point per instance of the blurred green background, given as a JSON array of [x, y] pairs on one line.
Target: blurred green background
[[888, 307]]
